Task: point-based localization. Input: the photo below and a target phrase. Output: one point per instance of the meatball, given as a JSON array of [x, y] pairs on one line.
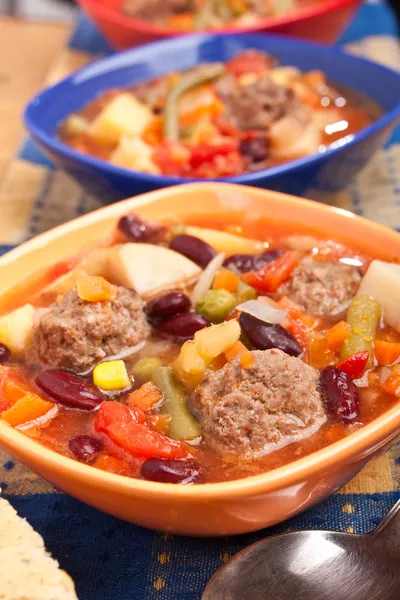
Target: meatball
[[75, 334], [257, 410], [256, 105], [322, 288]]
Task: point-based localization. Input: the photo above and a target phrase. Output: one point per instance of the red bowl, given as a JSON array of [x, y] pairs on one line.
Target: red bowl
[[323, 22]]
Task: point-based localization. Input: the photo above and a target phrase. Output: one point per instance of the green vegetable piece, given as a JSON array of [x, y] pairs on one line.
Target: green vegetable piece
[[145, 367], [183, 425], [189, 80], [245, 292], [216, 305], [363, 317]]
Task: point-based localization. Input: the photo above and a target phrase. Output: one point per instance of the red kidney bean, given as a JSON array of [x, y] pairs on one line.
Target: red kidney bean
[[243, 263], [4, 354], [193, 248], [85, 447], [340, 394], [255, 149], [167, 305], [68, 389], [264, 336], [170, 470], [181, 327], [138, 230]]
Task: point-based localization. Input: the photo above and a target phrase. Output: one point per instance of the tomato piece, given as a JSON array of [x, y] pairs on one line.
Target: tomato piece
[[207, 152], [355, 365], [270, 277], [249, 61], [172, 158], [114, 412], [140, 440]]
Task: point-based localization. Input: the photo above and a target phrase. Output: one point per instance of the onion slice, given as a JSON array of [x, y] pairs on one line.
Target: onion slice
[[262, 311], [207, 277]]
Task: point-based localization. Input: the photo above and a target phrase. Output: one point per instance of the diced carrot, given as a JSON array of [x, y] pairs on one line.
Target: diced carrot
[[206, 110], [387, 353], [226, 280], [392, 384], [93, 288], [105, 462], [153, 134], [246, 360], [336, 335], [319, 353], [218, 362], [26, 409], [145, 397], [236, 350], [161, 423], [14, 391], [270, 277]]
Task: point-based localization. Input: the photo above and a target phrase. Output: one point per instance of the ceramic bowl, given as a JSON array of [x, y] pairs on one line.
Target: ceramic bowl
[[221, 508], [317, 174], [323, 21]]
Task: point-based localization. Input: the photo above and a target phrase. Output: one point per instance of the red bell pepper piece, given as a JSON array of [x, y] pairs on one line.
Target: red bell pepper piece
[[355, 365], [115, 412], [140, 440], [207, 152], [270, 277], [249, 61], [126, 427]]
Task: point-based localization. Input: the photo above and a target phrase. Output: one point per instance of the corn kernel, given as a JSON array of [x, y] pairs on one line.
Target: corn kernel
[[111, 375]]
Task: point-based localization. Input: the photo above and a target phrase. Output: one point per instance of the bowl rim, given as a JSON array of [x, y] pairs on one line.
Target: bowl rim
[[61, 148], [299, 15], [354, 447]]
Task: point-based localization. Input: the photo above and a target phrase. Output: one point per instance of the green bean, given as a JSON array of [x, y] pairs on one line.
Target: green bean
[[216, 305], [183, 425], [363, 317], [245, 292], [145, 367], [188, 81]]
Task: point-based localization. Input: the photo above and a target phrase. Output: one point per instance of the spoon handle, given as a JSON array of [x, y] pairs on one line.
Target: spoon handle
[[389, 527]]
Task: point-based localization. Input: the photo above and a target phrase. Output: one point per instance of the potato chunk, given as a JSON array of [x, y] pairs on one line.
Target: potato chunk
[[124, 115], [148, 268], [382, 282], [16, 329], [222, 241], [134, 153]]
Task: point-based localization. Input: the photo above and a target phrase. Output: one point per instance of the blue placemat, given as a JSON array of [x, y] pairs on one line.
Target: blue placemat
[[113, 560]]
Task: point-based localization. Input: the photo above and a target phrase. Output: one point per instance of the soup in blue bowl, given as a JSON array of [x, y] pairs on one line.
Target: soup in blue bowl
[[259, 110]]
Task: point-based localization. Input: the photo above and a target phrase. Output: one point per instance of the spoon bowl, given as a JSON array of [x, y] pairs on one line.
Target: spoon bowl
[[322, 565]]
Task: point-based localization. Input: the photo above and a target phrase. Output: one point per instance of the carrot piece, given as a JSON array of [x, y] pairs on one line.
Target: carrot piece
[[93, 288], [183, 21], [392, 384], [336, 335], [161, 423], [153, 134], [270, 277], [14, 391], [28, 408], [236, 350], [226, 280], [145, 397], [386, 353], [319, 353], [246, 360]]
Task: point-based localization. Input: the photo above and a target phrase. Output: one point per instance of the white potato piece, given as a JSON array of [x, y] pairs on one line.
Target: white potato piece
[[222, 241], [291, 139], [124, 115], [382, 282], [148, 268], [134, 153], [284, 75], [16, 329]]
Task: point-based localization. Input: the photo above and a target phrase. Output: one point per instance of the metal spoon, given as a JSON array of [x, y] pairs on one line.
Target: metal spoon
[[315, 565]]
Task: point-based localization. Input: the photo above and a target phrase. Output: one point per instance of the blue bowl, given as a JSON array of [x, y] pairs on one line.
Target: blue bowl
[[325, 172]]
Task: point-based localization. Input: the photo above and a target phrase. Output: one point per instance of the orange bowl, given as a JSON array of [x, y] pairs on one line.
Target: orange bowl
[[225, 508], [323, 21]]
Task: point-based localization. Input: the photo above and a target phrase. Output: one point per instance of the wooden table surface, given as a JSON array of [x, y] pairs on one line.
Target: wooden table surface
[[28, 51]]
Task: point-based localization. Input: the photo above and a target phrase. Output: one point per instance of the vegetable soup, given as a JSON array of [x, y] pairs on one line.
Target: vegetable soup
[[201, 351], [219, 120]]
